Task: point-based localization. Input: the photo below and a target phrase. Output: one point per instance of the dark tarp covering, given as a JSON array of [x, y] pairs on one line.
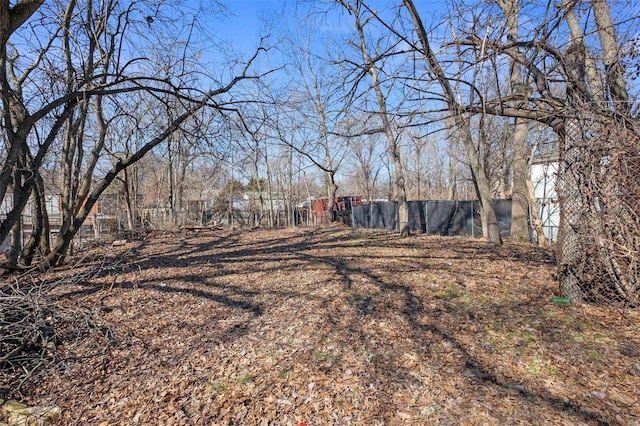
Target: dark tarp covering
[[375, 215], [503, 213], [417, 216], [450, 217], [433, 217]]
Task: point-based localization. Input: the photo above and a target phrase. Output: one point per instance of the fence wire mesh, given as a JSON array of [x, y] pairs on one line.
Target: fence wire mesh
[[599, 189]]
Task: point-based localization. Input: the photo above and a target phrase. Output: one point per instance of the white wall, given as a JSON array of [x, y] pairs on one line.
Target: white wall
[[543, 177]]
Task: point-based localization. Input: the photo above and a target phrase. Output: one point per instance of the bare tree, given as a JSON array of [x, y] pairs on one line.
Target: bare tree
[[317, 102], [78, 74], [370, 57], [581, 93], [520, 167], [365, 158], [490, 223]]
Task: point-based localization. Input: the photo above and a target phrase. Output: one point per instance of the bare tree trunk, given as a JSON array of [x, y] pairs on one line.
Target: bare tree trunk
[[16, 244], [332, 188], [614, 71], [20, 195], [490, 222], [520, 166], [596, 88], [128, 201], [394, 149], [40, 232], [535, 215], [290, 204], [572, 250], [171, 182], [452, 174], [519, 191], [269, 185]]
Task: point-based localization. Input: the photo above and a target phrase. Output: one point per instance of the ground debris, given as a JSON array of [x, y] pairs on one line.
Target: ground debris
[[18, 414], [335, 326]]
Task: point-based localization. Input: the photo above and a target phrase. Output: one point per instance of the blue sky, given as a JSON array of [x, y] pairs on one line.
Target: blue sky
[[244, 25]]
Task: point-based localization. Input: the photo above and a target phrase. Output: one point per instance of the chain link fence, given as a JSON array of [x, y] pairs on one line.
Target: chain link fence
[[599, 190]]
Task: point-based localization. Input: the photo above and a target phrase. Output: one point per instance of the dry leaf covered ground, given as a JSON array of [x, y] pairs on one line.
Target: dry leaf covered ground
[[333, 326]]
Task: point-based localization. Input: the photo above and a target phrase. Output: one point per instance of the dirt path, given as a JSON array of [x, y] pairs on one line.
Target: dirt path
[[335, 326]]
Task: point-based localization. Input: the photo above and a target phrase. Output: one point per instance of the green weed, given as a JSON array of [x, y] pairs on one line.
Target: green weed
[[528, 337], [537, 366], [217, 386], [595, 354], [448, 293], [320, 356], [244, 379]]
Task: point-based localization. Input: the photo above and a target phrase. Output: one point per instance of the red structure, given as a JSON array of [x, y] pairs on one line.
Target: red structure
[[342, 208]]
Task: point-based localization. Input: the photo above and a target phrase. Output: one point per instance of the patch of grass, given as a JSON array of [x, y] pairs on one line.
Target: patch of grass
[[529, 337], [595, 354], [570, 319], [495, 339], [217, 386], [537, 366], [244, 379], [277, 355], [448, 293], [320, 356], [468, 300]]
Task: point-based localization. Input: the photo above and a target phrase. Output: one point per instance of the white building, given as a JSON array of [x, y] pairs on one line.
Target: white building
[[543, 177]]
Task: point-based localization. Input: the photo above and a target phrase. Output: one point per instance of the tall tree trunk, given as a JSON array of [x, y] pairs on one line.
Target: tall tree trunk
[[128, 200], [394, 149], [40, 231], [572, 250], [490, 222], [519, 191], [614, 71], [332, 188], [269, 185], [536, 222], [21, 191], [596, 89], [171, 181], [520, 166], [292, 219], [452, 175]]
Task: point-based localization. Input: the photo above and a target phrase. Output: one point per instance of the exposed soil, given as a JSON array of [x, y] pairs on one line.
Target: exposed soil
[[331, 326]]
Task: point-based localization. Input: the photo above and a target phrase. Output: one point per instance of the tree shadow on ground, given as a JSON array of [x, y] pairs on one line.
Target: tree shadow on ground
[[313, 249], [302, 250]]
